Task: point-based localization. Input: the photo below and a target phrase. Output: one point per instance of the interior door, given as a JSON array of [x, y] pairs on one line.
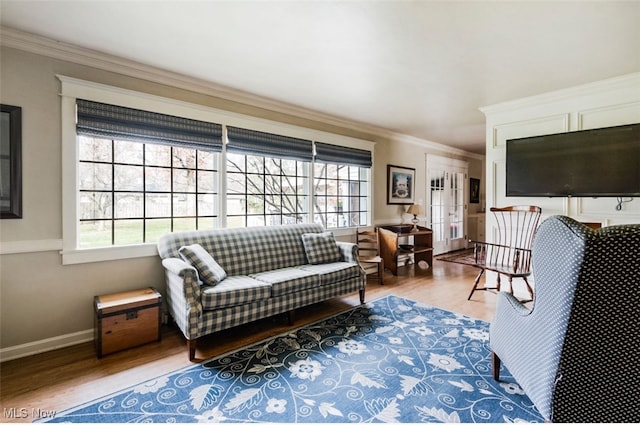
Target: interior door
[[447, 188], [456, 210]]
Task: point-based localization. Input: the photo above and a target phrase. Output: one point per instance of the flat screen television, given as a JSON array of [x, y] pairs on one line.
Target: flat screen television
[[603, 162]]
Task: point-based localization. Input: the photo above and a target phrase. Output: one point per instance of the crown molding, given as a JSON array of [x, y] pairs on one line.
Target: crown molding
[[434, 146], [620, 82], [44, 46]]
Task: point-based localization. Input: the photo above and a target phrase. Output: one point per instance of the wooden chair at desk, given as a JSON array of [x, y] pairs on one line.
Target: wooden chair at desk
[[369, 252]]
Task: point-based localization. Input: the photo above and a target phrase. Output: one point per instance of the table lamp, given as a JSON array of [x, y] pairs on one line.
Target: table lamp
[[416, 210]]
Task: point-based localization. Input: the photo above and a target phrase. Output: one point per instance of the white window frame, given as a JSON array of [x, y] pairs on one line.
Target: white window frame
[[266, 175], [73, 88], [337, 179]]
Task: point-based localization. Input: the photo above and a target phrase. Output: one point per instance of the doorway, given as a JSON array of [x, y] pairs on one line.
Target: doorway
[[447, 190]]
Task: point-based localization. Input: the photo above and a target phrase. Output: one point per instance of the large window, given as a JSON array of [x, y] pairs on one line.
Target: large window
[[341, 179], [264, 191], [139, 166], [267, 178], [132, 192], [143, 174], [341, 195]]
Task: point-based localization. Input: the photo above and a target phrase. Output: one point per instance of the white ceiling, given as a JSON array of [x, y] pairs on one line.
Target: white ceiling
[[420, 68]]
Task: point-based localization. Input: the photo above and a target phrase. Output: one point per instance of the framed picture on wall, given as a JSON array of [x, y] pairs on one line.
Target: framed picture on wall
[[10, 161], [474, 191], [400, 185]]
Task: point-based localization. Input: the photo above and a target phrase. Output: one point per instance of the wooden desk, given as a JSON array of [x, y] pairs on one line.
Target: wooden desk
[[396, 240]]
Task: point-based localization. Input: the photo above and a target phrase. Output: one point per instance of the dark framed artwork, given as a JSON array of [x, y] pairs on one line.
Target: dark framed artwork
[[400, 185], [10, 161], [474, 191]]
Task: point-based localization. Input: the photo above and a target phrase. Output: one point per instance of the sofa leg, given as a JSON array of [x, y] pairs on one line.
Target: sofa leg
[[291, 315], [362, 296], [495, 364], [191, 345]]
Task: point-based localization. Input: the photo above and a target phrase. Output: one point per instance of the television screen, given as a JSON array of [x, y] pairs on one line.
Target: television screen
[[590, 163]]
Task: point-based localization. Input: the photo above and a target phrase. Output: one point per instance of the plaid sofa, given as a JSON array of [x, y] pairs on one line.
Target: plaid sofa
[[267, 270]]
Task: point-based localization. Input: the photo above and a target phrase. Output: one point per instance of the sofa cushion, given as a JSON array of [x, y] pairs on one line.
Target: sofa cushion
[[289, 279], [245, 250], [333, 272], [209, 270], [234, 290], [321, 248]]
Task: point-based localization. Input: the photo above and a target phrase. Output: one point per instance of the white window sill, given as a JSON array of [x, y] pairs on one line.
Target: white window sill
[[126, 252], [79, 256]]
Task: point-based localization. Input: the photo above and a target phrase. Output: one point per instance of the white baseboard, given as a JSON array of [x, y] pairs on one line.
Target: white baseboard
[[48, 344]]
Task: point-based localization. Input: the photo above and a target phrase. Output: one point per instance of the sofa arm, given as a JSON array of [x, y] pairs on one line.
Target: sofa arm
[[183, 296], [520, 339], [179, 267], [349, 251], [510, 318], [509, 302]]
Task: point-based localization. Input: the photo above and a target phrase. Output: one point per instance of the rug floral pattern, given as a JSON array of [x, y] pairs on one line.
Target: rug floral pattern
[[390, 360]]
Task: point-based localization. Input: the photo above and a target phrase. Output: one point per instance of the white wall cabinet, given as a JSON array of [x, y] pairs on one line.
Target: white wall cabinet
[[476, 228], [606, 103]]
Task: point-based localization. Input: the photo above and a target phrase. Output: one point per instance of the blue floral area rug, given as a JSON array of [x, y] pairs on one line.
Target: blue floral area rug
[[390, 360]]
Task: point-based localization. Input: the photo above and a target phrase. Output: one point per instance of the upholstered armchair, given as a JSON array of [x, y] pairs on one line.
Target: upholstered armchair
[[576, 351]]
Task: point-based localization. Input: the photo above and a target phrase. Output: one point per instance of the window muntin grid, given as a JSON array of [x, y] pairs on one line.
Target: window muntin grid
[[264, 191], [132, 192], [341, 195]]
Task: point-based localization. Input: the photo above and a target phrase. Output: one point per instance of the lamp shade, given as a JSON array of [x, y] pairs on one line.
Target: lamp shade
[[415, 209]]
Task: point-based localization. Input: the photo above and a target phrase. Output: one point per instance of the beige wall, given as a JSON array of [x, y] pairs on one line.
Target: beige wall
[[40, 299], [410, 155]]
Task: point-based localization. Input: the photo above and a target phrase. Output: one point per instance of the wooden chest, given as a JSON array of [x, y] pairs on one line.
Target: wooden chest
[[126, 319]]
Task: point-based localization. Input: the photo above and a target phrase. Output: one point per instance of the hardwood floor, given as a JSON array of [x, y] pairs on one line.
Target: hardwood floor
[[64, 378]]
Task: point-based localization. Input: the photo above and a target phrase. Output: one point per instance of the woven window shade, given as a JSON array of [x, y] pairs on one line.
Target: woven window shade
[[118, 122], [252, 142], [343, 155]]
